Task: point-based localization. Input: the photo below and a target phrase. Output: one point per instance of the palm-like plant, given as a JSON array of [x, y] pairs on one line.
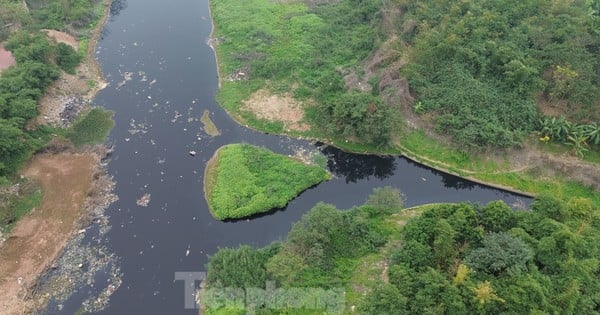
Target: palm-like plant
[[592, 131], [578, 142]]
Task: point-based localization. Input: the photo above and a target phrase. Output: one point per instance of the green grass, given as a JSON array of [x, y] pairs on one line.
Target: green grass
[[264, 37], [16, 207], [91, 128], [468, 165], [242, 180]]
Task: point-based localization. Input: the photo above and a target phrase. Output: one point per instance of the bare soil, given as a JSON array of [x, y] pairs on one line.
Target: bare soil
[[84, 84], [62, 37], [6, 58], [38, 238], [284, 108]]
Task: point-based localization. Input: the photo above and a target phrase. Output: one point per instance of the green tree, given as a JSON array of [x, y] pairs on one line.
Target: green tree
[[385, 299], [501, 254]]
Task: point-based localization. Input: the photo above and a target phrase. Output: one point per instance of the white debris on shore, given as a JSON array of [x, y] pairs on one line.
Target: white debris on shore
[[83, 259]]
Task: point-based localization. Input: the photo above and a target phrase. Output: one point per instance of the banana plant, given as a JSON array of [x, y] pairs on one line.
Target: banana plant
[[592, 131], [578, 142]]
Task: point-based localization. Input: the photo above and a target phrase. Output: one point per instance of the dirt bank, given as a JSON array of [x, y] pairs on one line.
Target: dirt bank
[[67, 180], [38, 238], [83, 85]]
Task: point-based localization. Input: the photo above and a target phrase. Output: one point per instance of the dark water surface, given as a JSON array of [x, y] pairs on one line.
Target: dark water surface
[[157, 124]]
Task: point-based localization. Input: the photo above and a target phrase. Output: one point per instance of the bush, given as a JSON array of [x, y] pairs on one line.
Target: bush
[[91, 128]]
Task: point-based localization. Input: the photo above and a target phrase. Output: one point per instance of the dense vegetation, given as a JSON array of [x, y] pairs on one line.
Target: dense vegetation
[[480, 67], [321, 250], [453, 258], [284, 45], [39, 62], [21, 87], [480, 64], [242, 180], [493, 260]]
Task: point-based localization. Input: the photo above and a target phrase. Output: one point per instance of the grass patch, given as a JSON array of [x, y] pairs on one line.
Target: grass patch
[[14, 206], [91, 128], [209, 126], [242, 180]]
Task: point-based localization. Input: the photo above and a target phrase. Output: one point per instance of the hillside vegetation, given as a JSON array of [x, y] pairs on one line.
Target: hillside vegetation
[[445, 258], [485, 71], [481, 66], [40, 62], [242, 180]]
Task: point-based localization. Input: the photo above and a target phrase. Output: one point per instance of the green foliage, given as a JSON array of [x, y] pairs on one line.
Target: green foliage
[[385, 299], [450, 259], [500, 254], [62, 15], [578, 136], [26, 46], [67, 58], [291, 47], [250, 180], [91, 128], [321, 251], [478, 64], [15, 205], [544, 260], [359, 115], [242, 267]]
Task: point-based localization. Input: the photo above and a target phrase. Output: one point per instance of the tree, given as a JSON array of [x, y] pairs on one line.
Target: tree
[[501, 254], [384, 299], [360, 115], [496, 216], [414, 255], [444, 244]]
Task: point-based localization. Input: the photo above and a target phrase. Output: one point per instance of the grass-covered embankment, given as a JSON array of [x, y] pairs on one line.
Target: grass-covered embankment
[[306, 52], [241, 180]]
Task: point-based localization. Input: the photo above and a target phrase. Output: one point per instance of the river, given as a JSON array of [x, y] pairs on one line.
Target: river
[[162, 77]]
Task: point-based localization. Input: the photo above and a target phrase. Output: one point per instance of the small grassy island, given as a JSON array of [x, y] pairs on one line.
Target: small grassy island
[[241, 180]]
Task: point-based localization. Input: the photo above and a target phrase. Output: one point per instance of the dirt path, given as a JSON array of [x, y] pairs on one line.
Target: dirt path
[[37, 239]]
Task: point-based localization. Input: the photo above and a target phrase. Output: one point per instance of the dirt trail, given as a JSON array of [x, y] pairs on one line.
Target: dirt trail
[[37, 239]]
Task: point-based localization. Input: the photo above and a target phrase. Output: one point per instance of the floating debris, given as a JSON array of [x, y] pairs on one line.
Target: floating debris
[[144, 200], [127, 76]]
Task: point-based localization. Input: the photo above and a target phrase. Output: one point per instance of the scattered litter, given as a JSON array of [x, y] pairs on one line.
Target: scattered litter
[[144, 200]]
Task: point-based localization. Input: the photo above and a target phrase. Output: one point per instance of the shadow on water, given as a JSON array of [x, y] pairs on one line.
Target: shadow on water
[[354, 167]]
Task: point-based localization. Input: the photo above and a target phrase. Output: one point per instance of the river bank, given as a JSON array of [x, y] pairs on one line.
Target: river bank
[[525, 170], [75, 188]]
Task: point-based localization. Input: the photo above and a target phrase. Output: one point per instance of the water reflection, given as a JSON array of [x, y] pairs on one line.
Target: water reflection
[[354, 167]]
